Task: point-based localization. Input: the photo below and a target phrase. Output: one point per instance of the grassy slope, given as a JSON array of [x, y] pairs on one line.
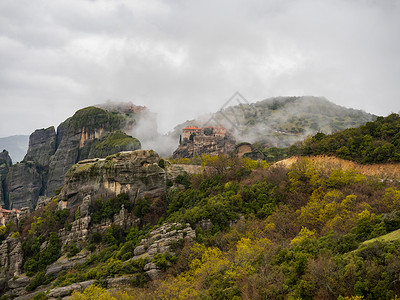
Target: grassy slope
[[383, 171], [392, 236]]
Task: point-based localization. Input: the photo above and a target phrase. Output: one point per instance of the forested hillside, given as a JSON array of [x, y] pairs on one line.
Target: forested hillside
[[261, 232], [374, 142]]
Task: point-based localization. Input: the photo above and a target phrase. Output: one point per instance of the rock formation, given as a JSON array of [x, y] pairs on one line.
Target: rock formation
[[211, 145], [5, 164], [162, 240], [74, 140], [135, 173], [90, 132], [207, 140], [10, 258], [42, 145], [23, 184]]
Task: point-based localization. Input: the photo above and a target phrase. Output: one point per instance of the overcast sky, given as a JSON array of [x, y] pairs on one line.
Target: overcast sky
[[184, 58]]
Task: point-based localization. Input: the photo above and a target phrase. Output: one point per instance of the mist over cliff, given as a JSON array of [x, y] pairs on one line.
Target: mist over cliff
[[281, 121]]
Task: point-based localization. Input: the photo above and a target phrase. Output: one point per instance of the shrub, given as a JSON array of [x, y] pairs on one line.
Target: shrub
[[106, 209], [39, 279], [72, 250], [142, 206], [183, 180]]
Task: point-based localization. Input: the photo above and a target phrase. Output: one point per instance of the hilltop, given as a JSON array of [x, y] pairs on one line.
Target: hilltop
[[282, 121]]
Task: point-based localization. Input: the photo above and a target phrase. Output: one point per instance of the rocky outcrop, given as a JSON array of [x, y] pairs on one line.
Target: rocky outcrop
[[90, 132], [23, 184], [162, 240], [64, 264], [74, 139], [5, 165], [135, 173], [80, 227], [42, 145], [67, 290], [42, 202], [112, 283], [211, 145], [25, 180], [10, 257]]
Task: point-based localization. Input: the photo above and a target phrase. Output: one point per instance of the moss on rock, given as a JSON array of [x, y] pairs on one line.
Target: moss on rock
[[113, 143]]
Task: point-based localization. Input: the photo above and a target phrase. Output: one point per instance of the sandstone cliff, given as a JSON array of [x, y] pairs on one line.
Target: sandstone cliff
[[74, 139], [135, 173], [90, 132]]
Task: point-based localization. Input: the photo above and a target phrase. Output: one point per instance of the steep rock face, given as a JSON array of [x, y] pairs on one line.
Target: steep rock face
[[42, 145], [90, 132], [10, 258], [205, 145], [80, 227], [162, 240], [74, 140], [23, 184], [5, 164], [25, 181], [135, 173]]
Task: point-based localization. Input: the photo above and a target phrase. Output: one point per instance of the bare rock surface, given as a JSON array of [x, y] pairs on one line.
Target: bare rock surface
[[135, 173], [162, 240]]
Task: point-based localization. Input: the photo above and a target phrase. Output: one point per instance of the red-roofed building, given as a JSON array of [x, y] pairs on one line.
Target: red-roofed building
[[220, 131], [188, 131], [137, 108], [5, 212], [198, 132]]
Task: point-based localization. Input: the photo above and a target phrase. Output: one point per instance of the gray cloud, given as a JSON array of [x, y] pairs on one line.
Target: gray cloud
[[186, 58]]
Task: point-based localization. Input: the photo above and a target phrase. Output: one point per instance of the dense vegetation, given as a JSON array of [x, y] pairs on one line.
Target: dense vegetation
[[374, 142], [262, 232], [307, 232], [90, 118]]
